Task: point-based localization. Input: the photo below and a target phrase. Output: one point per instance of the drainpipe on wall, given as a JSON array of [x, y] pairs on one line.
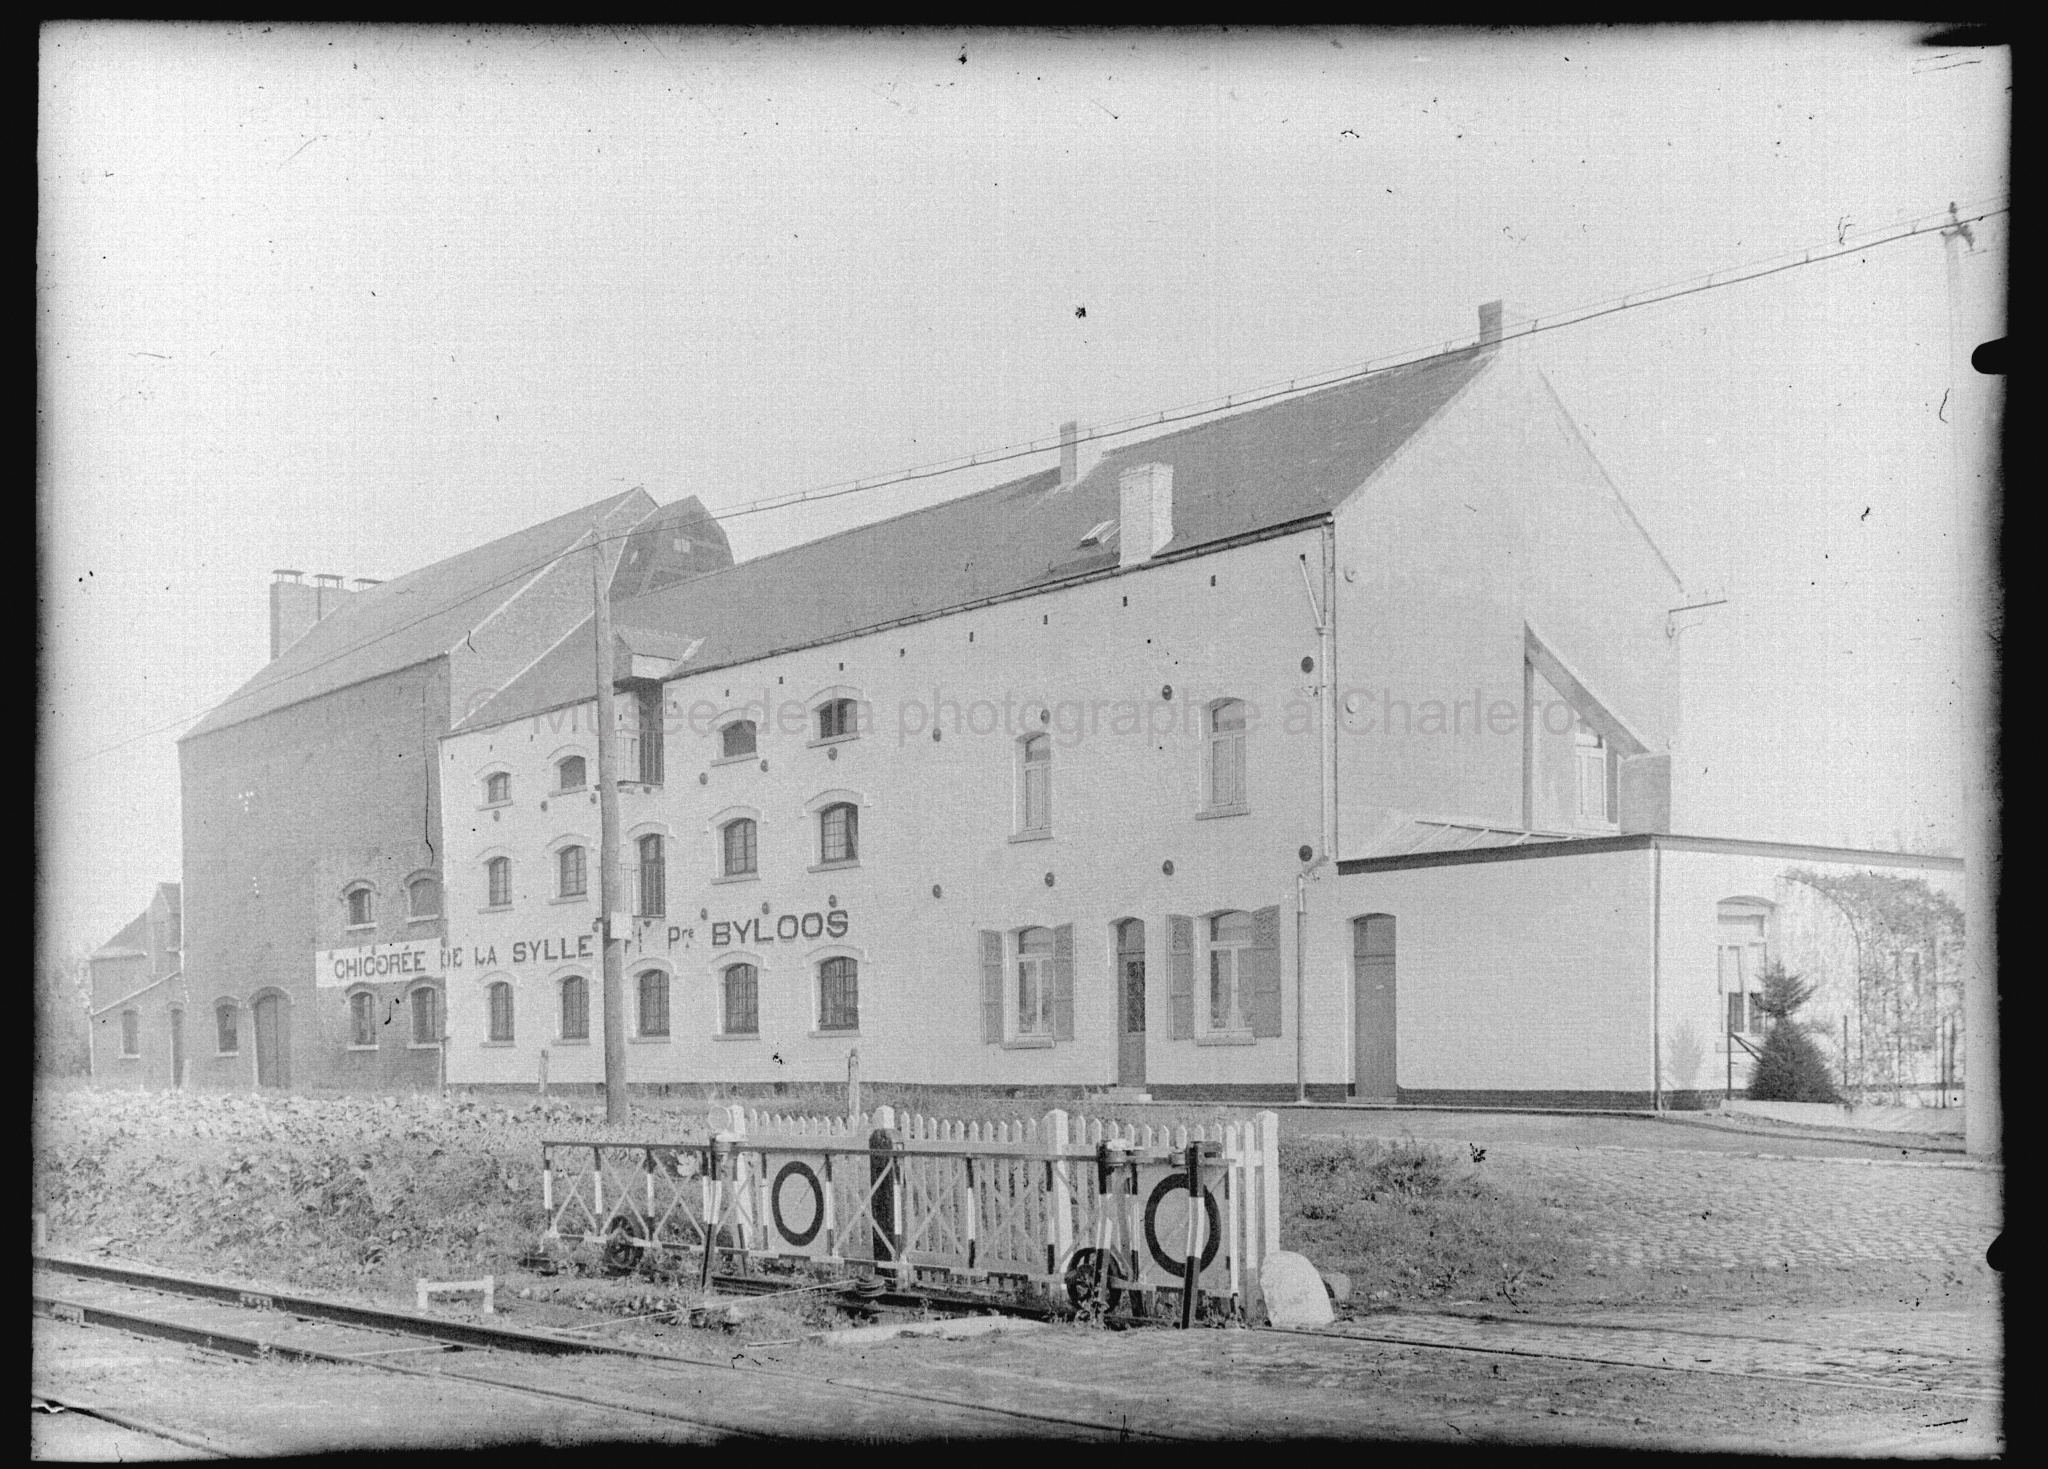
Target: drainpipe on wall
[[1656, 975], [1300, 975]]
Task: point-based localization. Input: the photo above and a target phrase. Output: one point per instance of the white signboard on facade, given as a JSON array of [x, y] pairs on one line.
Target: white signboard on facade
[[378, 963]]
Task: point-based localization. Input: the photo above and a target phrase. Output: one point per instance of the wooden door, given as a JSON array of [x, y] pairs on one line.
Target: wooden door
[[273, 1043], [1372, 964], [1130, 1009]]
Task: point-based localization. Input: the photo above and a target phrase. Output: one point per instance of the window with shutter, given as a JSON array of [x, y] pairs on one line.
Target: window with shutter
[[991, 987], [1264, 961], [1181, 972], [1063, 982]]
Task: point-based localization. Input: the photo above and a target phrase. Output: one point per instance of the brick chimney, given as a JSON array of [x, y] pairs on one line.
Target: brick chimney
[[296, 606], [1489, 324], [1145, 498], [1070, 454]]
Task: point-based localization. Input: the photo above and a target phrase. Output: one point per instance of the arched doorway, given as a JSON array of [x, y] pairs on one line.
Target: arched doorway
[[1372, 1032], [273, 1040], [1130, 1002]]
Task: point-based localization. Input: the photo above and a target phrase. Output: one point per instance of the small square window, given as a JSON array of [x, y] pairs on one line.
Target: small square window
[[497, 789], [569, 774], [737, 739], [839, 833], [837, 719]]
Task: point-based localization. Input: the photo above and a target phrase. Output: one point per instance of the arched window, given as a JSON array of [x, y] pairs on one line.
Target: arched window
[[499, 872], [1034, 982], [131, 1034], [839, 994], [575, 1008], [574, 881], [226, 1034], [424, 896], [1226, 755], [838, 718], [362, 1018], [653, 877], [737, 739], [653, 1002], [497, 788], [738, 847], [426, 1016], [569, 774], [1034, 783], [361, 910], [839, 833], [1231, 939], [742, 999], [499, 999]]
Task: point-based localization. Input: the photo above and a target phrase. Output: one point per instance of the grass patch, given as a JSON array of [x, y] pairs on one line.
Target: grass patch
[[1411, 1222]]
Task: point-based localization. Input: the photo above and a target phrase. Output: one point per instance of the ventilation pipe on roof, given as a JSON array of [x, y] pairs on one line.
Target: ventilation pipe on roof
[[1070, 454], [1145, 497]]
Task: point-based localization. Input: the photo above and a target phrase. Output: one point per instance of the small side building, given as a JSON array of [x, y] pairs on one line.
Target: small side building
[[139, 1035]]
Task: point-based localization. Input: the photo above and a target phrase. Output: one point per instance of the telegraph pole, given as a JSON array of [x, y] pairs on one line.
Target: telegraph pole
[[615, 1107]]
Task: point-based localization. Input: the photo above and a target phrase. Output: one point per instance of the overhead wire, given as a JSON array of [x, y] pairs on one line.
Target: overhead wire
[[1974, 213]]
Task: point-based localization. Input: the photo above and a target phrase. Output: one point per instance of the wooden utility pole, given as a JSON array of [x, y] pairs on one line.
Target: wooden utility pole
[[615, 1108]]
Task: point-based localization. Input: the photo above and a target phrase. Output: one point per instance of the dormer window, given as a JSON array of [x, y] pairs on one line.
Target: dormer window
[[569, 774]]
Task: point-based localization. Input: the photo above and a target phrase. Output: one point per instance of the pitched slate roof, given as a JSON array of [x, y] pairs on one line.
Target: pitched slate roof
[[409, 619], [1250, 472], [131, 942]]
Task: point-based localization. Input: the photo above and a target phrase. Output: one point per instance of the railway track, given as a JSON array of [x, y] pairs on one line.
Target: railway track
[[720, 1397]]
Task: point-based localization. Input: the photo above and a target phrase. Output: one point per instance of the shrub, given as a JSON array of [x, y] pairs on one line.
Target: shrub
[[1791, 1067]]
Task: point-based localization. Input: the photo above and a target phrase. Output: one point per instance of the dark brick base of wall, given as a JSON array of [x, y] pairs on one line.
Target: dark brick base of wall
[[1516, 1101]]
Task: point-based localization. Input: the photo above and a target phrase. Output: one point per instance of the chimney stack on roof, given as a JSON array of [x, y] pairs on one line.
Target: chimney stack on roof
[[1145, 497], [1489, 324], [1070, 454], [367, 581], [295, 606]]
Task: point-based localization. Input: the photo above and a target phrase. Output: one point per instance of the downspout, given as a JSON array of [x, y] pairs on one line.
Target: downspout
[[1326, 657], [1656, 975]]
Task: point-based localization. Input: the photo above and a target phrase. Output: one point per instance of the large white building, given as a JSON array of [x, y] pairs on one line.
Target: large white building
[[1323, 745]]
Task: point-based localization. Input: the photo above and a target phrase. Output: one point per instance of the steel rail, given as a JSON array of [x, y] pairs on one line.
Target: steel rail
[[133, 1424], [509, 1338]]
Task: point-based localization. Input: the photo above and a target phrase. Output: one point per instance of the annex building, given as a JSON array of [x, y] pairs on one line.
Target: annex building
[[314, 855], [1325, 745]]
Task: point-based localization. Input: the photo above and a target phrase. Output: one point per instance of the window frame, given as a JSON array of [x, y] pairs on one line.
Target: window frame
[[1743, 933], [726, 969], [582, 784], [231, 1009], [495, 989], [438, 1006], [563, 863], [1213, 737], [1025, 828], [726, 831], [491, 779], [851, 857], [412, 885], [734, 757], [131, 1034], [1603, 754], [365, 890], [1241, 1022], [493, 866], [818, 965], [641, 867], [562, 984], [840, 710], [1039, 966], [640, 978], [362, 1019]]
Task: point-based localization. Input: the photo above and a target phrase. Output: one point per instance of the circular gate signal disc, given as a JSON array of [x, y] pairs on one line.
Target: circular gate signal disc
[[1174, 1187], [797, 1195]]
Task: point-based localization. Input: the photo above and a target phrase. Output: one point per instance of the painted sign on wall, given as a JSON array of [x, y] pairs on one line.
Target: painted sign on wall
[[375, 963], [789, 928]]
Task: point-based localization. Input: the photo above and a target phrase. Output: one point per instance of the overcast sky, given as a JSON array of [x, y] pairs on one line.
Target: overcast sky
[[354, 299]]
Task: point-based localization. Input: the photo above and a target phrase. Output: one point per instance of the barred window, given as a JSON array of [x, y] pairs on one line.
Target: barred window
[[653, 878], [653, 1003], [575, 1008], [839, 833], [362, 1019], [742, 999], [739, 838], [499, 997], [569, 774], [574, 880], [499, 871], [737, 738], [839, 994], [426, 1017]]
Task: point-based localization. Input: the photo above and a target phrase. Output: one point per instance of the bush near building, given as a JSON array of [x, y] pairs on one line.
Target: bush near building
[[1790, 1067]]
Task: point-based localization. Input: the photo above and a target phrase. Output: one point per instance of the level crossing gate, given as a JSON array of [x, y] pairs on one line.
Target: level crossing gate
[[1004, 1207]]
